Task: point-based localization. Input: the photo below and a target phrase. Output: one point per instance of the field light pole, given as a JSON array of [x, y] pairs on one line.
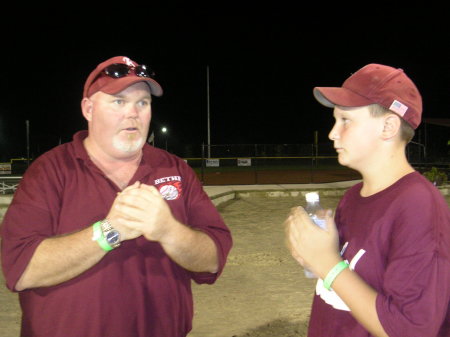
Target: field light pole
[[207, 108], [164, 131]]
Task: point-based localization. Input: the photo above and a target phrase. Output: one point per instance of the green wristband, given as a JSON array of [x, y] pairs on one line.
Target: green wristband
[[333, 273], [98, 236]]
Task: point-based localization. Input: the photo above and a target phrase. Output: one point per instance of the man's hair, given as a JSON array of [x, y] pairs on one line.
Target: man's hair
[[406, 130]]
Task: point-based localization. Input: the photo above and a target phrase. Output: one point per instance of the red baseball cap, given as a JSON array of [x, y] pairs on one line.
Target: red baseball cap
[[98, 81], [376, 84]]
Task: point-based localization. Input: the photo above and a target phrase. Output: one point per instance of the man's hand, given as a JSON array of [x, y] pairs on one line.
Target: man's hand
[[119, 211], [141, 210]]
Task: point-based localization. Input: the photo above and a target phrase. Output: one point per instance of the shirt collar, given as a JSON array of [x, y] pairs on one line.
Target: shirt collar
[[78, 143]]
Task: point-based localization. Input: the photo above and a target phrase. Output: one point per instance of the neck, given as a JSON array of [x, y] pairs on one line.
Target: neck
[[380, 177], [118, 170]]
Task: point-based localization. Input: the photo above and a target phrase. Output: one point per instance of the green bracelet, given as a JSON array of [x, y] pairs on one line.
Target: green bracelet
[[98, 236], [333, 273]]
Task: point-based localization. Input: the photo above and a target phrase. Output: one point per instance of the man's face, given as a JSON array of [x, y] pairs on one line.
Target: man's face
[[118, 124]]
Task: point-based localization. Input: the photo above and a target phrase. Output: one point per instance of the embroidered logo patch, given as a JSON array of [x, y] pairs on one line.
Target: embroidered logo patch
[[169, 187]]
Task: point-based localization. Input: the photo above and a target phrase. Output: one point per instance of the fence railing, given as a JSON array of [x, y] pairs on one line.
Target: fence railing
[[9, 184]]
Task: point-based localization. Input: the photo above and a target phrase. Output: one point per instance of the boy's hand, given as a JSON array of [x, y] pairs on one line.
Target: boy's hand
[[313, 247]]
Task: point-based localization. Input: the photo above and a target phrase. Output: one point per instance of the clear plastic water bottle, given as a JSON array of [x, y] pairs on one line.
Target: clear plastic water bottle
[[317, 214]]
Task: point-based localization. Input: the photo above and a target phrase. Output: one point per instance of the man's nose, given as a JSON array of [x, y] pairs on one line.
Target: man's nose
[[132, 111]]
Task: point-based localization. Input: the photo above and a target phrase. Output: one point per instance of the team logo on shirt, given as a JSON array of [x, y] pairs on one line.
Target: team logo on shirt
[[169, 187]]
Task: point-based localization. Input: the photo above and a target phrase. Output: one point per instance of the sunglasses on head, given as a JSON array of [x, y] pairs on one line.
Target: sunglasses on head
[[118, 70]]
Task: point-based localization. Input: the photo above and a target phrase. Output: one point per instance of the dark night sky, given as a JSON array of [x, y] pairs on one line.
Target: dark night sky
[[262, 67]]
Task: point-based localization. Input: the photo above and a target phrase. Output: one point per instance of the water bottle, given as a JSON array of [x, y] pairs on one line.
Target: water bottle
[[317, 214]]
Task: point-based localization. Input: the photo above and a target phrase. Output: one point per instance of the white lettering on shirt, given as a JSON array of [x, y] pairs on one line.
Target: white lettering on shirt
[[167, 179]]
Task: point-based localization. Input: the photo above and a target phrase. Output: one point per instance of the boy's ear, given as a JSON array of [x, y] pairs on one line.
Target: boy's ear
[[391, 126]]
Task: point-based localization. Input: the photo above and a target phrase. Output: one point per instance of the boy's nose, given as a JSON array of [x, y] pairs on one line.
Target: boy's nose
[[333, 133]]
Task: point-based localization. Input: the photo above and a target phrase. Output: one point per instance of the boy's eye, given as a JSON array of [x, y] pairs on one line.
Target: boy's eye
[[118, 101]]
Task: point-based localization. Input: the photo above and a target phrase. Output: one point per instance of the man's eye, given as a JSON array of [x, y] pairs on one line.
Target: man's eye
[[143, 103], [118, 101]]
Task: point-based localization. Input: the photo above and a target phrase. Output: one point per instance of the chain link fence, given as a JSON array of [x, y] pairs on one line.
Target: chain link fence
[[228, 164]]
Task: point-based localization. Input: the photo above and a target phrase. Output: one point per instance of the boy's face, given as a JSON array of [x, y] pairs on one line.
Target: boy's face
[[355, 134]]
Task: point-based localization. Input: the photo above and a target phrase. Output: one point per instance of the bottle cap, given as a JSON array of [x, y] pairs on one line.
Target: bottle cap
[[312, 196]]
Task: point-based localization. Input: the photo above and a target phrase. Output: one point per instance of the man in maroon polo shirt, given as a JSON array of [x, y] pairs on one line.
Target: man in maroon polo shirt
[[105, 233]]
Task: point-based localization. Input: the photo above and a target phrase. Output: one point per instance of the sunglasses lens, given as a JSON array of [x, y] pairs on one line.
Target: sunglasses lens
[[117, 70], [143, 71]]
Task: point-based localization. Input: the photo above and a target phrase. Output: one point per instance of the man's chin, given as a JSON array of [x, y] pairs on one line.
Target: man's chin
[[128, 146]]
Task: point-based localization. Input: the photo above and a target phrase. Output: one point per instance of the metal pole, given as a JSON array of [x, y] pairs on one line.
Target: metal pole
[[203, 164], [27, 123], [426, 139], [311, 176], [316, 143], [207, 107]]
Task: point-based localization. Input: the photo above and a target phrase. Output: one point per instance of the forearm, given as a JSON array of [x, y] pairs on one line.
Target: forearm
[[360, 298], [192, 249], [59, 259]]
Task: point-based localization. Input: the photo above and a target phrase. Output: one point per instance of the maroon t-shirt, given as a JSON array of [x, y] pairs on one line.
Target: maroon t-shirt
[[136, 290], [398, 241]]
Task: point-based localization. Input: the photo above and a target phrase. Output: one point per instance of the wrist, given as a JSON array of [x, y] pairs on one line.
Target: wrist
[[97, 235], [111, 234], [334, 273], [167, 234], [106, 236], [327, 265]]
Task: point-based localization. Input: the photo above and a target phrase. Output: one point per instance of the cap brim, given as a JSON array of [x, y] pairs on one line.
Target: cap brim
[[330, 96], [120, 84]]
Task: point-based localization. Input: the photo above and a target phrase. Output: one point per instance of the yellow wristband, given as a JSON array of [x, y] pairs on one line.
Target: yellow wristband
[[333, 273], [97, 235]]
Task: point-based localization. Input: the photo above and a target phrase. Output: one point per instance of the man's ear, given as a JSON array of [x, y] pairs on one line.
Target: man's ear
[[391, 126], [86, 107]]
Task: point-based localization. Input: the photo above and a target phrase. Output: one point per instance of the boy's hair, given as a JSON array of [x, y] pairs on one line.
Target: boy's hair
[[406, 131]]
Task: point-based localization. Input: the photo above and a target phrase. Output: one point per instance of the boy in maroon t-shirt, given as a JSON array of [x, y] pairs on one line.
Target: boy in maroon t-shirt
[[383, 262]]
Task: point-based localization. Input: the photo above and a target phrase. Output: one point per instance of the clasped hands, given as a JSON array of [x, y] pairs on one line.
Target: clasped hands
[[314, 248], [141, 210]]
